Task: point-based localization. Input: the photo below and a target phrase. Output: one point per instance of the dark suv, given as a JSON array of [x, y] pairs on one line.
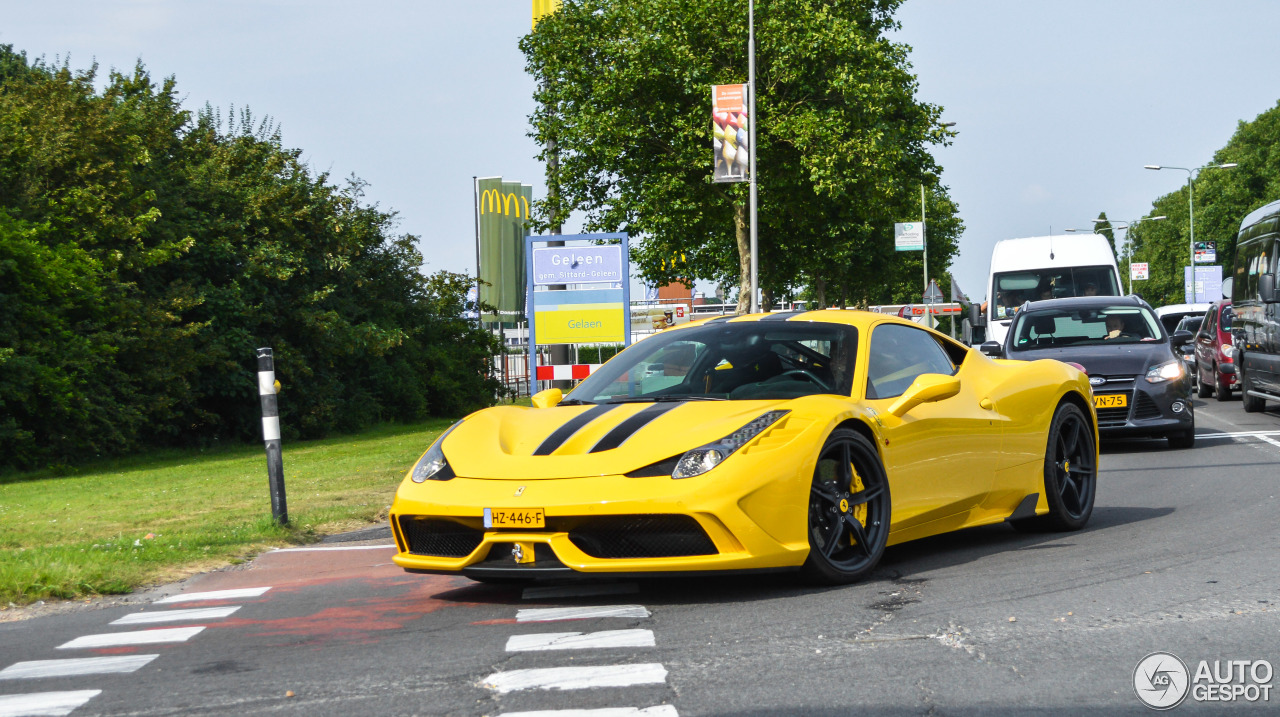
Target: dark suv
[[1255, 332], [1141, 386]]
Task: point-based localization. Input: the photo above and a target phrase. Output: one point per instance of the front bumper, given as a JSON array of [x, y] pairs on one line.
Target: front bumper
[[1150, 410], [749, 516]]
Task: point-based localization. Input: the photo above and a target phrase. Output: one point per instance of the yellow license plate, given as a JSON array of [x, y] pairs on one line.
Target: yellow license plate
[[514, 518], [1111, 400]]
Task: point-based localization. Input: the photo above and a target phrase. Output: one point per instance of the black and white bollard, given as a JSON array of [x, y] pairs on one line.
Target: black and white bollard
[[271, 434]]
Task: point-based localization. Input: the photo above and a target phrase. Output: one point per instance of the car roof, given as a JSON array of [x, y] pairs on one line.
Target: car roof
[[1084, 302]]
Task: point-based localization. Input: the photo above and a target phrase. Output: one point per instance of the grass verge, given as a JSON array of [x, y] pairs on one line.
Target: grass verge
[[132, 522]]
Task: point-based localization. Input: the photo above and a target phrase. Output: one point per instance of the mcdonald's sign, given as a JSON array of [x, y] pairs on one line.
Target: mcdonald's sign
[[542, 8], [502, 211], [494, 200]]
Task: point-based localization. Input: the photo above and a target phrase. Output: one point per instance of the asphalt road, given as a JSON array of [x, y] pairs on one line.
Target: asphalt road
[[1181, 556]]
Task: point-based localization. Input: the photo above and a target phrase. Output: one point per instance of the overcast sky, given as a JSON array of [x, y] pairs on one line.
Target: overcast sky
[[1058, 105]]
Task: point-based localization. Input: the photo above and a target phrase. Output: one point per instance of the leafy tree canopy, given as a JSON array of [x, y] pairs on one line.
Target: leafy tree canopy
[[625, 96]]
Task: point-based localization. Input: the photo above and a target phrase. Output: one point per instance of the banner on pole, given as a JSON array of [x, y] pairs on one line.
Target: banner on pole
[[730, 133], [908, 236], [503, 213], [1204, 286], [1138, 271]]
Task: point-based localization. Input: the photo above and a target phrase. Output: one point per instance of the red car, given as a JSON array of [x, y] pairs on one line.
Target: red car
[[1215, 369]]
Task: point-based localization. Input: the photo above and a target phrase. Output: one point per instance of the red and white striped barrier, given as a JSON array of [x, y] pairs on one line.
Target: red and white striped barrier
[[566, 372]]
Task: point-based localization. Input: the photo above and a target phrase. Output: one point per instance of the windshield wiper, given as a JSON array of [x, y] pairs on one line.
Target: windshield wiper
[[665, 399], [575, 402]]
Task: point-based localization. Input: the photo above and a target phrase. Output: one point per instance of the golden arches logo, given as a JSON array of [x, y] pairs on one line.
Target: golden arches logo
[[493, 200]]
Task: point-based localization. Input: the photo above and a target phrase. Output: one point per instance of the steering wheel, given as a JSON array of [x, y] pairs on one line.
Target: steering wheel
[[807, 375]]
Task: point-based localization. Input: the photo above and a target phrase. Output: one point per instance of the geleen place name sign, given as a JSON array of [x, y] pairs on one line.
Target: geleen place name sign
[[577, 265]]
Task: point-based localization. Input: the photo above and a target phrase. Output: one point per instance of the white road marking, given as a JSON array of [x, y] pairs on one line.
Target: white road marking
[[335, 547], [580, 641], [552, 614], [137, 637], [75, 666], [214, 595], [577, 678], [560, 591], [199, 613], [1237, 434], [44, 703], [1272, 441], [656, 711]]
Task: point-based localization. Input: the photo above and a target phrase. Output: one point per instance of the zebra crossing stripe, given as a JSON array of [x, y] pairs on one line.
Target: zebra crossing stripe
[[137, 637], [655, 711], [42, 704], [552, 614], [577, 678], [75, 666], [199, 613], [214, 595], [580, 641]]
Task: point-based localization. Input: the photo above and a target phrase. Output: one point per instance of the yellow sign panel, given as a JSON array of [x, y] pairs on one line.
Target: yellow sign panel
[[492, 201], [578, 325], [543, 7]]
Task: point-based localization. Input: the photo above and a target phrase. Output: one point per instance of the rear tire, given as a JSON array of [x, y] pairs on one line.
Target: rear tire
[[1202, 388], [1070, 473], [849, 510], [1221, 390]]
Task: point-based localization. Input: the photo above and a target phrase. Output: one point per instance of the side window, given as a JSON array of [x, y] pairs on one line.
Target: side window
[[898, 355]]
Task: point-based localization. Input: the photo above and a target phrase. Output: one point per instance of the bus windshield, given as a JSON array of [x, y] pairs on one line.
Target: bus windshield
[[1014, 288]]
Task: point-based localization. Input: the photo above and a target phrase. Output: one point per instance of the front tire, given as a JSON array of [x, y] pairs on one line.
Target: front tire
[[849, 510], [1070, 473], [1222, 391], [1203, 388], [1252, 404]]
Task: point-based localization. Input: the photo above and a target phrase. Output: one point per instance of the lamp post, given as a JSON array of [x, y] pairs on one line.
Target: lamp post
[[1127, 245], [753, 120], [1191, 208], [924, 236]]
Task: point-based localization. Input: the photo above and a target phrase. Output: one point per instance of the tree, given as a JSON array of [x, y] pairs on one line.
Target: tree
[[1223, 197], [1103, 226], [624, 95]]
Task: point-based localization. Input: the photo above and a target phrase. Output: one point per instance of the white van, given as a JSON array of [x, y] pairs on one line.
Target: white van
[[1052, 267]]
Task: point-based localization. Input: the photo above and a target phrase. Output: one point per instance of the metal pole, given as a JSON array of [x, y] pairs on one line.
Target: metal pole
[[271, 434], [475, 191], [1191, 211], [924, 237], [751, 140]]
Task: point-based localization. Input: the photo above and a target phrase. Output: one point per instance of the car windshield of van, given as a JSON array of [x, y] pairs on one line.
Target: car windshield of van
[[1104, 326], [1014, 288]]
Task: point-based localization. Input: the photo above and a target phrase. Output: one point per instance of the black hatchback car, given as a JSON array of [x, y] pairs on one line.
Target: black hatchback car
[[1141, 386]]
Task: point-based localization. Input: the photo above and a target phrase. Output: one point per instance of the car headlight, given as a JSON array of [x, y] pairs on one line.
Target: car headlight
[[1165, 372], [700, 460], [432, 465], [1227, 350]]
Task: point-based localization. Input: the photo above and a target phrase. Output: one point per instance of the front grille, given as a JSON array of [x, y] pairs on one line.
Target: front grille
[[641, 536], [1144, 407], [1109, 417], [439, 538]]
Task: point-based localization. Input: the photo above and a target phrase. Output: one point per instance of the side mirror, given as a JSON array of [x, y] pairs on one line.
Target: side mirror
[[927, 388], [1180, 338], [547, 398], [976, 317], [1267, 288], [992, 348]]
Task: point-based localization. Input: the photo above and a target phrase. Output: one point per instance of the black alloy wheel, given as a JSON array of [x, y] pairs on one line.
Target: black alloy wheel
[[1070, 473], [849, 510]]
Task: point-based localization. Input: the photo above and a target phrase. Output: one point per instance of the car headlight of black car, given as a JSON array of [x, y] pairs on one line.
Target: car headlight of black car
[[702, 459], [433, 465], [1168, 371]]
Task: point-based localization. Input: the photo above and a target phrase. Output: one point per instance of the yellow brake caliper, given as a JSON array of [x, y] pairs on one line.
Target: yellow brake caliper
[[859, 510]]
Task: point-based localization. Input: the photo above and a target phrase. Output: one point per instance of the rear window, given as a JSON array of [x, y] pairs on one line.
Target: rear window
[[1227, 316]]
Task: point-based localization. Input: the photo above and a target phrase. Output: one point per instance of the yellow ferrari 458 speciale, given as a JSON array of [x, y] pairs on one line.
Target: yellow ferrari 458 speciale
[[785, 441]]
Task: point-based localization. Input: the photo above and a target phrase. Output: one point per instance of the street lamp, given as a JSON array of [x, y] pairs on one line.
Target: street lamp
[[1128, 247], [1191, 209]]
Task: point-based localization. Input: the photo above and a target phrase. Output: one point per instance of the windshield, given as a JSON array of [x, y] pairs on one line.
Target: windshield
[[1085, 327], [1014, 288], [729, 361]]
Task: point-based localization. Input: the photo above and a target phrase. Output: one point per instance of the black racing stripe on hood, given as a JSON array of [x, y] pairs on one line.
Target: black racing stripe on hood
[[572, 426], [624, 430]]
